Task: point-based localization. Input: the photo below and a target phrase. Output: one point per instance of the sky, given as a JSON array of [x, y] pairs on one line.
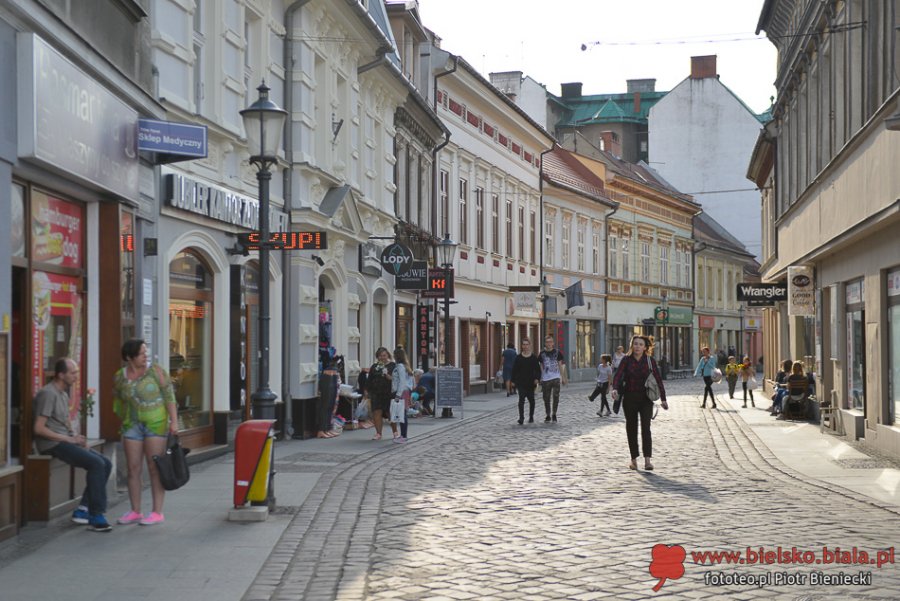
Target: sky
[[623, 39]]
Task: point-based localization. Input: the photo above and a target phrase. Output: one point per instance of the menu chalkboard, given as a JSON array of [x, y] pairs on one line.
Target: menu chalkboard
[[448, 387]]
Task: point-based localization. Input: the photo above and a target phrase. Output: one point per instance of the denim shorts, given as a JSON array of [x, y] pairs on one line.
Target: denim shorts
[[139, 431]]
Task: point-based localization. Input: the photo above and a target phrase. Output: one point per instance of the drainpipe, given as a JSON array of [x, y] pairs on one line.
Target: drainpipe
[[435, 174], [543, 327], [288, 181]]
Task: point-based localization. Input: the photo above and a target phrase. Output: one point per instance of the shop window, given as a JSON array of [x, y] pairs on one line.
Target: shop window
[[190, 338], [476, 353], [856, 346], [586, 334], [893, 329]]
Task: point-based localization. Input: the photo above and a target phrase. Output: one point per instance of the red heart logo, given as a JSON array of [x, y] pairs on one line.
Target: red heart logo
[[668, 562]]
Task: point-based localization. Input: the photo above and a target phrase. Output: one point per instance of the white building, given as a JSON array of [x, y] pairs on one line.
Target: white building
[[489, 202], [701, 137]]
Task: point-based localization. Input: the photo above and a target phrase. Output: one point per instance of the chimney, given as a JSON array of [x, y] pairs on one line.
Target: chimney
[[571, 90], [610, 142], [703, 67], [640, 85], [637, 102]]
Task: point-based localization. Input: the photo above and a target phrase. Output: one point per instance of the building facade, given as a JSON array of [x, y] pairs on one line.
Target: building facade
[[575, 211], [77, 196], [489, 202], [701, 136], [834, 207]]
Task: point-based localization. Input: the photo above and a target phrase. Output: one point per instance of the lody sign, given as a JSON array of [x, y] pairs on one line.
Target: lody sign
[[396, 259]]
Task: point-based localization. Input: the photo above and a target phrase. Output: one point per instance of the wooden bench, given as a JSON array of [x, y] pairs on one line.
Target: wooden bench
[[53, 487]]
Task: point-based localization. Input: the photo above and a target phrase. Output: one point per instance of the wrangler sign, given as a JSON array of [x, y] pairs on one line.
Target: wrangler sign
[[762, 292]]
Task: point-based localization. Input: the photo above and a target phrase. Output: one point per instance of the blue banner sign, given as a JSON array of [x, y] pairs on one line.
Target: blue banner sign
[[166, 137]]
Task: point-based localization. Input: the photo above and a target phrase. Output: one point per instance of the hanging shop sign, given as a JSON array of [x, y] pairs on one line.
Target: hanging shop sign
[[415, 278], [285, 241], [70, 123], [212, 201], [440, 283], [801, 291], [169, 138], [523, 304], [396, 259], [762, 292], [423, 325]]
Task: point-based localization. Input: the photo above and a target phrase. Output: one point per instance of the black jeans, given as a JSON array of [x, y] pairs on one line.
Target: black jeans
[[744, 383], [601, 389], [707, 390], [98, 469], [526, 394], [550, 388], [637, 405]]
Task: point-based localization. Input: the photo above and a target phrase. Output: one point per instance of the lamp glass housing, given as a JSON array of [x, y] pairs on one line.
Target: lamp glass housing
[[263, 124], [447, 251]]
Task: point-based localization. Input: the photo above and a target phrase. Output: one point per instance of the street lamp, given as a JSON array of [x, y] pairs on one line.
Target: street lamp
[[446, 254], [664, 305], [263, 124], [544, 286]]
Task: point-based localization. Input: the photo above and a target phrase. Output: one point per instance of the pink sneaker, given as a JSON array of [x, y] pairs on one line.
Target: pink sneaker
[[132, 517], [153, 519]]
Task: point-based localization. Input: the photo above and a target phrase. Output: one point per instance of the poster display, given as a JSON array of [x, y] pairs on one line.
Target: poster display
[[57, 331], [56, 231]]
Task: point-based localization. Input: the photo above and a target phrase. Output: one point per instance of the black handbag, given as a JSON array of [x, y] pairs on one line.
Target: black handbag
[[172, 467]]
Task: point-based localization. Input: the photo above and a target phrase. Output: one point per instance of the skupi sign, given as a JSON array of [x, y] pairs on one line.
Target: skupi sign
[[801, 291]]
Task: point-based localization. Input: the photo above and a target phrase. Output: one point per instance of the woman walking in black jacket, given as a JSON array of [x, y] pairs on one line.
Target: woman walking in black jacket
[[630, 380], [526, 373]]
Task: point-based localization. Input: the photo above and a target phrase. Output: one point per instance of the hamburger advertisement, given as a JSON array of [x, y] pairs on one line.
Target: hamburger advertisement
[[56, 231]]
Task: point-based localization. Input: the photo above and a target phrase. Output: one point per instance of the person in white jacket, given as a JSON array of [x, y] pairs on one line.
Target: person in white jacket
[[401, 386]]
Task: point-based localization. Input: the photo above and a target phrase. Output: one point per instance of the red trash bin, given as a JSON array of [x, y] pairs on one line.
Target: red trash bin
[[253, 447]]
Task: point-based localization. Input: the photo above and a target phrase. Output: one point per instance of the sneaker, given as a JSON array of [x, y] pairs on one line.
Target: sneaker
[[530, 420], [377, 436], [153, 519], [81, 515], [98, 523], [554, 419], [521, 420], [400, 440], [132, 517], [648, 465], [600, 413], [547, 419], [632, 465]]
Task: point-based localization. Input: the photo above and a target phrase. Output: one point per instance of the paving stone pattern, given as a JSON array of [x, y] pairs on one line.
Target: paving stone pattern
[[489, 510]]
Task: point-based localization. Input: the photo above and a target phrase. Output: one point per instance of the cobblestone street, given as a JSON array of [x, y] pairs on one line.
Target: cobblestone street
[[494, 510]]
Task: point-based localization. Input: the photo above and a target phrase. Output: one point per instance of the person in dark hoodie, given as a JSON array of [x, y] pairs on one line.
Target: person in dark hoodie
[[526, 374]]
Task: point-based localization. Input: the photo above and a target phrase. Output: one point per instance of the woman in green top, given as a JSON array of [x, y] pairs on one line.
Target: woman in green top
[[145, 402]]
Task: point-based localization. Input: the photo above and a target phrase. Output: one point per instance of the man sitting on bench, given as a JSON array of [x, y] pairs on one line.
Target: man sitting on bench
[[54, 436]]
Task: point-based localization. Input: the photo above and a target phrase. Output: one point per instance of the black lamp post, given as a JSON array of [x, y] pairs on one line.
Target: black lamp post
[[545, 285], [664, 305], [263, 124], [446, 254]]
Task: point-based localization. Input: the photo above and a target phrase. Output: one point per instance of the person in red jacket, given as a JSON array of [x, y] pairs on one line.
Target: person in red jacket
[[630, 381]]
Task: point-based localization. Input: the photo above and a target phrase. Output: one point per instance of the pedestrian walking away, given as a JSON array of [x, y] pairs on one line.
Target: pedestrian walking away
[[732, 371], [705, 368], [604, 375], [507, 358], [631, 382], [748, 380], [144, 400], [54, 436], [526, 374], [553, 372]]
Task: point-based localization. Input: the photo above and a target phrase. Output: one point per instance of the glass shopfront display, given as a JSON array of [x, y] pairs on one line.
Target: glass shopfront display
[[893, 336], [856, 346], [586, 336], [190, 338]]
